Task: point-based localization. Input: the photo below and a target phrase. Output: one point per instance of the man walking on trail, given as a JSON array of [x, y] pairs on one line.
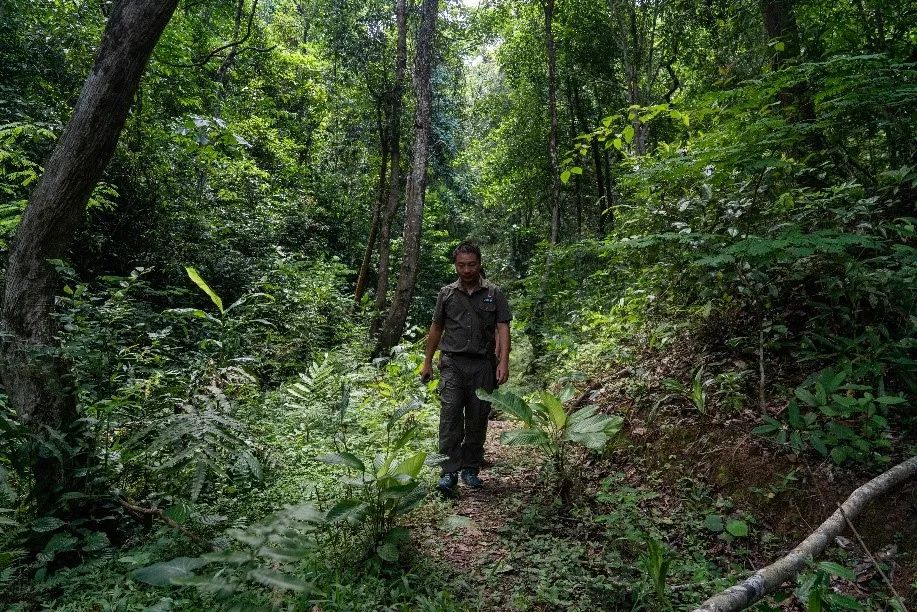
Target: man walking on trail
[[470, 323]]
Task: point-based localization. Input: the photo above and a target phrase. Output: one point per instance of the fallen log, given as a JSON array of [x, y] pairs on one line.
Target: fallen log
[[766, 580]]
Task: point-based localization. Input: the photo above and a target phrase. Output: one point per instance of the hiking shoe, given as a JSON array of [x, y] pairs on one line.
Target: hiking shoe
[[470, 478], [447, 483]]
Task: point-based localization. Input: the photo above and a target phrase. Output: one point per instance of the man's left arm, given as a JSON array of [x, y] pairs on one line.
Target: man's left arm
[[503, 352]]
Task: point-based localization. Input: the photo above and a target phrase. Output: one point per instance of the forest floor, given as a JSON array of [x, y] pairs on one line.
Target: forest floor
[[672, 478]]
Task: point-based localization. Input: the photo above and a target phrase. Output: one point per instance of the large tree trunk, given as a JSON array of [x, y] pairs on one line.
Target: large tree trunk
[[767, 579], [36, 378], [551, 49], [394, 192], [415, 191]]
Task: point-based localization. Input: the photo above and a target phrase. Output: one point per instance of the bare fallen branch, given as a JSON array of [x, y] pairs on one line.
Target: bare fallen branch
[[765, 580], [158, 513]]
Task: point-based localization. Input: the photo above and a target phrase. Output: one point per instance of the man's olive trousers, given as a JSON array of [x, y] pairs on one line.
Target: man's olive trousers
[[462, 416]]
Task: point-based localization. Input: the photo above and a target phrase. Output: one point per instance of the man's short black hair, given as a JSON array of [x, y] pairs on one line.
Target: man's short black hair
[[466, 247]]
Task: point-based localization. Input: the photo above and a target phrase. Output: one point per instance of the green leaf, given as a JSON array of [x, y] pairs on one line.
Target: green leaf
[[455, 522], [96, 541], [200, 282], [388, 552], [836, 569], [59, 542], [46, 524], [565, 177], [555, 409], [278, 580], [628, 134], [807, 397], [411, 466], [714, 522], [818, 444], [525, 437], [347, 510], [890, 400], [737, 528], [509, 403], [839, 454], [162, 574], [179, 513], [346, 459]]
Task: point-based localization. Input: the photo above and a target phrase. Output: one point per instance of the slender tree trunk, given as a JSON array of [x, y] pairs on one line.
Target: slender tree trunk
[[551, 49], [378, 203], [36, 378], [602, 198], [415, 190], [394, 193]]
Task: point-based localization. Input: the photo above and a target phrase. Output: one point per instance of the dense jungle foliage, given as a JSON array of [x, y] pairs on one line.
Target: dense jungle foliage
[[702, 213]]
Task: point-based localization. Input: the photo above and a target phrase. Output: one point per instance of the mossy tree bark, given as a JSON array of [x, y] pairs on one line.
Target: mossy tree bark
[[415, 190], [34, 375]]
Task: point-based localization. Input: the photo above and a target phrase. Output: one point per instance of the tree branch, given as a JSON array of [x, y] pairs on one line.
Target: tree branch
[[201, 62], [157, 512], [769, 578]]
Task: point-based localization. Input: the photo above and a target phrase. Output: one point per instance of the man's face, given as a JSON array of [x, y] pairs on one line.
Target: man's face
[[467, 267]]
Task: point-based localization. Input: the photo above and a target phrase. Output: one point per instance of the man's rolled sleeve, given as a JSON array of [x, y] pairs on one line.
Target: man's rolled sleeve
[[439, 312], [503, 313]]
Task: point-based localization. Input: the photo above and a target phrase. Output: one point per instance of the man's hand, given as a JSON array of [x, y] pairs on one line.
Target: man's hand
[[426, 373], [502, 372]]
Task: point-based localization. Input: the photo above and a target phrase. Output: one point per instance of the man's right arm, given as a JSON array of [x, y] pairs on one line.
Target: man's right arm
[[433, 338]]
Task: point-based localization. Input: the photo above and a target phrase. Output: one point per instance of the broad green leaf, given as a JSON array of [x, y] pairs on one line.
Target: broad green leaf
[[714, 522], [411, 466], [351, 510], [397, 535], [565, 177], [836, 569], [232, 557], [45, 524], [59, 542], [200, 282], [593, 440], [455, 522], [525, 437], [581, 415], [162, 574], [388, 552], [95, 541], [285, 554], [566, 394], [818, 444], [411, 500], [555, 409], [278, 580], [346, 459], [839, 454], [509, 403], [807, 397], [628, 134], [890, 400], [737, 528]]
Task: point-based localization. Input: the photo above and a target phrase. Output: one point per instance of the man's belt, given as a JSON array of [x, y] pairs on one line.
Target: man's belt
[[468, 355]]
